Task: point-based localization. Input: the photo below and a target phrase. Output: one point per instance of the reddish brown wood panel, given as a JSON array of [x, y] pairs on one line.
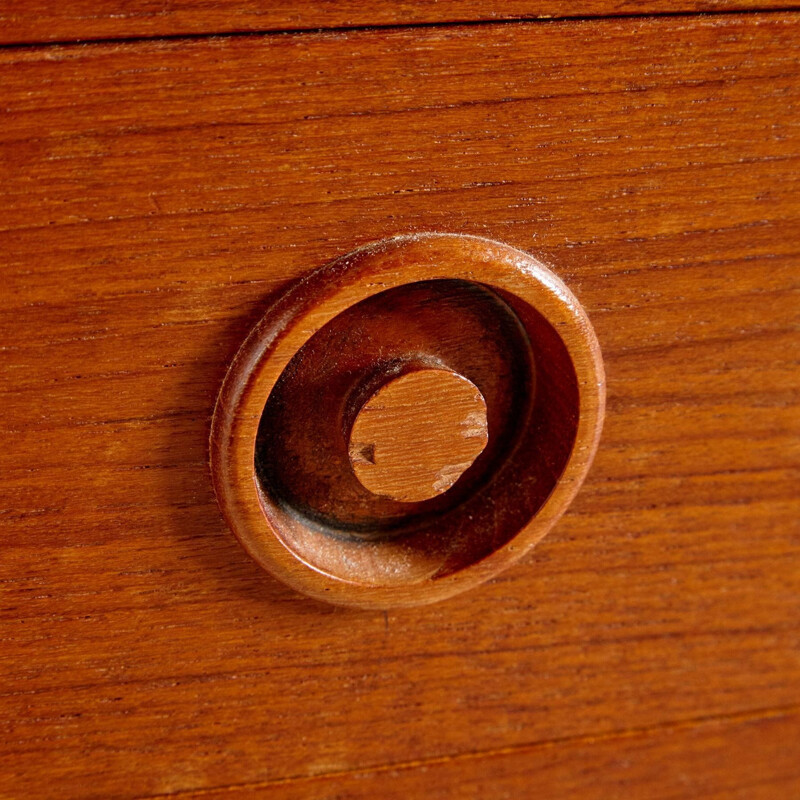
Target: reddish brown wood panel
[[56, 20], [714, 759], [155, 196]]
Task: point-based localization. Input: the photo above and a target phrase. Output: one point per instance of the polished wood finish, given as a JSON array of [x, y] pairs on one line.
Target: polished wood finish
[[279, 450], [709, 759], [86, 20], [417, 434], [156, 197]]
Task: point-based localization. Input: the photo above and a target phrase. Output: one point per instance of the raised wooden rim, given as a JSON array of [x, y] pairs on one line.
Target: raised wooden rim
[[317, 299]]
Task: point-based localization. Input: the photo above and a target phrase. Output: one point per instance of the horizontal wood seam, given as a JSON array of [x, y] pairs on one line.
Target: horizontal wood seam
[[456, 23]]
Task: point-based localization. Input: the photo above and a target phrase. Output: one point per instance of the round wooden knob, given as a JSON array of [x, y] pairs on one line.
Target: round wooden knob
[[408, 420], [417, 434]]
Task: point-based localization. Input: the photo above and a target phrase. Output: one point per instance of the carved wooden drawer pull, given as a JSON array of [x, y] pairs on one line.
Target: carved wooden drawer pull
[[408, 420]]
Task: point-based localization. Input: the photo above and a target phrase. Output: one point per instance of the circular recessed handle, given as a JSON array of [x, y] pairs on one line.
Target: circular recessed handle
[[408, 420]]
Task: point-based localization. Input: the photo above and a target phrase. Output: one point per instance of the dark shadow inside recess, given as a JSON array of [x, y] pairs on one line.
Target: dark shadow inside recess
[[505, 347]]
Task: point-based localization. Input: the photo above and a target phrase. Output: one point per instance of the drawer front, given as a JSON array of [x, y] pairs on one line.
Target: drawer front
[[157, 196]]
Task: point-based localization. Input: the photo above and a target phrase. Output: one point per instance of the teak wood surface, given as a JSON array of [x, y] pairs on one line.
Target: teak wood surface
[[86, 20], [156, 196]]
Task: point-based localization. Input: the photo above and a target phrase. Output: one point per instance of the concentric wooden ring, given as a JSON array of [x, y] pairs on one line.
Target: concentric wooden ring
[[279, 441]]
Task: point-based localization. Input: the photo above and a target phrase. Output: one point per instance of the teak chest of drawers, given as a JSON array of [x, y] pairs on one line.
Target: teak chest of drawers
[[169, 170]]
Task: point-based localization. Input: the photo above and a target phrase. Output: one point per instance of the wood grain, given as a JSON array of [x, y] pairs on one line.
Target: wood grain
[[155, 197], [660, 763], [418, 434], [85, 20]]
